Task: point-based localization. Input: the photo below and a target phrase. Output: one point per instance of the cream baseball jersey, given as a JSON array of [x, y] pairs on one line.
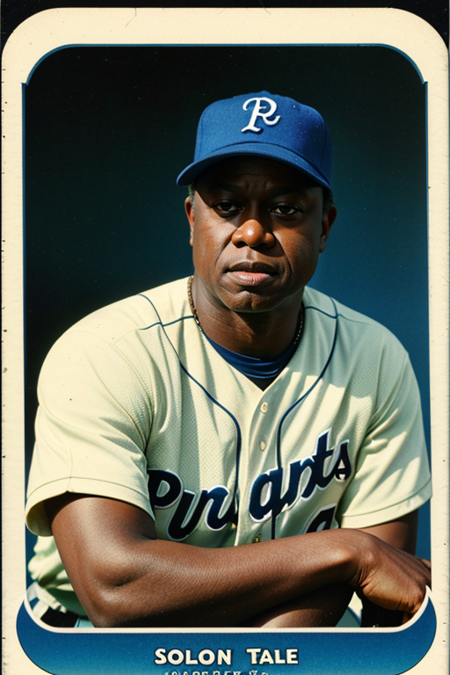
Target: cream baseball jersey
[[135, 404]]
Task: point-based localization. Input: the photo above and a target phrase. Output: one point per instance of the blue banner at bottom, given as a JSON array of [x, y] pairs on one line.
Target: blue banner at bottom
[[129, 652]]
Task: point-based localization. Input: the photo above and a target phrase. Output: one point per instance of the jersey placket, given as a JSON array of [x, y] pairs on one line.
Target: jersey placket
[[258, 456]]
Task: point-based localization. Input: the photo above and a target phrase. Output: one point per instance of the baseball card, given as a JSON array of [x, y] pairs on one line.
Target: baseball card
[[225, 342]]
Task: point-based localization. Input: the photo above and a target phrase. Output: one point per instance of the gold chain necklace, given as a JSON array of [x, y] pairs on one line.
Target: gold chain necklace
[[301, 318]]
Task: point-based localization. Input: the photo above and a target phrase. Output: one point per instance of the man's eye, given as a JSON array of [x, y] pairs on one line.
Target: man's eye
[[226, 208], [284, 210]]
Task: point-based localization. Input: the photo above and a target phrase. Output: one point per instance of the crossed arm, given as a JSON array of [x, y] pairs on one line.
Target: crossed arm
[[325, 606], [125, 576]]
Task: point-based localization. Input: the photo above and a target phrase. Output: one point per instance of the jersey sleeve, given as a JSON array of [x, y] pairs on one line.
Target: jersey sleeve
[[392, 475], [93, 420]]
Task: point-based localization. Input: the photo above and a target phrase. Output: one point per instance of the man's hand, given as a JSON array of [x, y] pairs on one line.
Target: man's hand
[[401, 533], [390, 577]]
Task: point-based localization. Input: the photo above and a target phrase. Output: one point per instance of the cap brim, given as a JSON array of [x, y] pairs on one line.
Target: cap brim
[[276, 152]]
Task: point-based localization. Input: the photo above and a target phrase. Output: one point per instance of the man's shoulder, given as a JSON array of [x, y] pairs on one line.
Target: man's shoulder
[[161, 304], [353, 325]]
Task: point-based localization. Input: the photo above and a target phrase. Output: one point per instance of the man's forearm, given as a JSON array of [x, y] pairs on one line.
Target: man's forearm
[[319, 609], [124, 576], [160, 583]]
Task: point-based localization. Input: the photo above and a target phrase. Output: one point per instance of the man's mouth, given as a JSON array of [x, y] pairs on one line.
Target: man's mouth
[[248, 273]]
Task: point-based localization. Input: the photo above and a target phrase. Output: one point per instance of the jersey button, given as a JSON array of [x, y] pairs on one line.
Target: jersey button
[[262, 445], [264, 407]]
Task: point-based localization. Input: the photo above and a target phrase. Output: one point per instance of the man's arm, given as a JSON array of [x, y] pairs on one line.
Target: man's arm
[[325, 607], [322, 608], [124, 576]]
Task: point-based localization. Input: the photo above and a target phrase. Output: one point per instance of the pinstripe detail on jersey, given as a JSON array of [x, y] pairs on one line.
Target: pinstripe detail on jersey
[[206, 392], [159, 323], [322, 311], [362, 319], [302, 398]]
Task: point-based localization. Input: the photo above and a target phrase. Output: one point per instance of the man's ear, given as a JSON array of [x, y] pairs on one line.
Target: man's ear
[[190, 212], [328, 218]]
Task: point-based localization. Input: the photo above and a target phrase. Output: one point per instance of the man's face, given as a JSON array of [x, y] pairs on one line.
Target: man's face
[[257, 228]]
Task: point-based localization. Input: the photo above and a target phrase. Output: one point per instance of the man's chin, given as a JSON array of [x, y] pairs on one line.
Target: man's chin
[[255, 301]]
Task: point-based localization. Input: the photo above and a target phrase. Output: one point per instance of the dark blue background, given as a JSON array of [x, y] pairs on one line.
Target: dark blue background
[[108, 129]]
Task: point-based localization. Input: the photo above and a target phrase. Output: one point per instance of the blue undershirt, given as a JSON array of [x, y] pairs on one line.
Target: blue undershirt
[[252, 367]]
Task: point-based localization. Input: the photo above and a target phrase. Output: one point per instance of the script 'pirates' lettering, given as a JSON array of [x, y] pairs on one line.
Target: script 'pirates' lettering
[[260, 110], [218, 507]]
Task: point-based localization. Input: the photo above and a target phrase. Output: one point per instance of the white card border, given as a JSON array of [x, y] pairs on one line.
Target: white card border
[[54, 29]]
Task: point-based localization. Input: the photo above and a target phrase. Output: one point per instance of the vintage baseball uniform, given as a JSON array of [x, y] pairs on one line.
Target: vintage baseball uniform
[[136, 404]]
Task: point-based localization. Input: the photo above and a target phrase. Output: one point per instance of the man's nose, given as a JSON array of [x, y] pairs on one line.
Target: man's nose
[[253, 232]]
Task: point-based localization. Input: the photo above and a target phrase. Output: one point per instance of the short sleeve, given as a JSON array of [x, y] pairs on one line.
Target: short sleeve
[[392, 475], [93, 420]]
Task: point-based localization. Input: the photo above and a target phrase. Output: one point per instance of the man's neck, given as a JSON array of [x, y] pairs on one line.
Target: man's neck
[[264, 335]]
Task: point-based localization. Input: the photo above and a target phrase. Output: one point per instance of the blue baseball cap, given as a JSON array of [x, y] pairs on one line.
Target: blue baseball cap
[[265, 125]]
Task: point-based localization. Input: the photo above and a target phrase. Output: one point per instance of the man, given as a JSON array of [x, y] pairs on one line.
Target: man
[[235, 449]]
